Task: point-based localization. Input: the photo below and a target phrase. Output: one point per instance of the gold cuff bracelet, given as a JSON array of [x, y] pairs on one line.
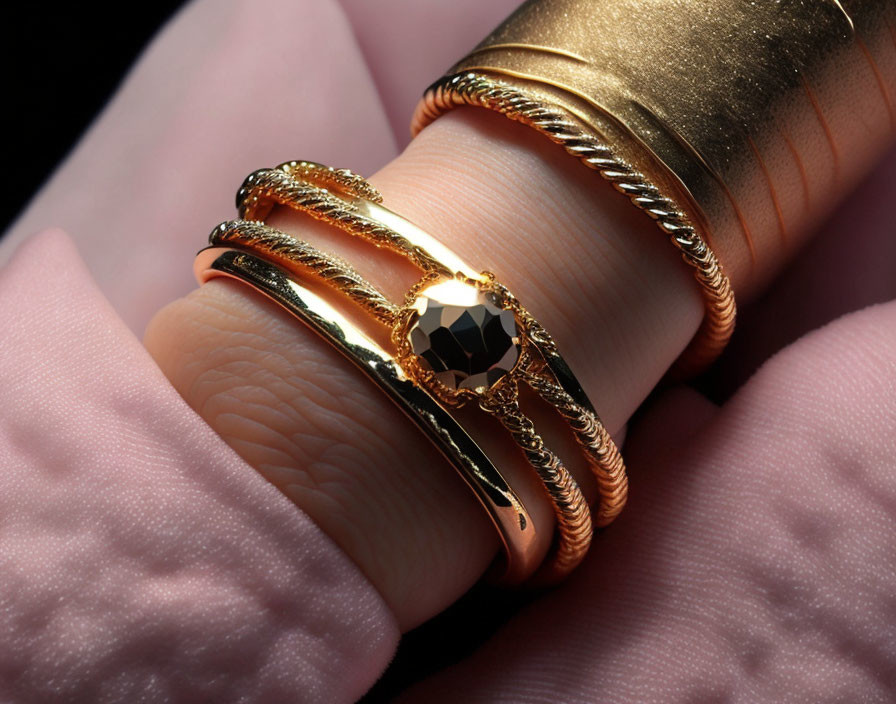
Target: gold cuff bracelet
[[732, 123]]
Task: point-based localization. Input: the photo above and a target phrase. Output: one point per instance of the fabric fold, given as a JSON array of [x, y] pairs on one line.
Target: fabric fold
[[140, 558]]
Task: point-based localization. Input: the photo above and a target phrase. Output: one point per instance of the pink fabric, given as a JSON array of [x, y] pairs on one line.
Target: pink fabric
[[228, 87], [140, 558], [755, 562], [231, 86]]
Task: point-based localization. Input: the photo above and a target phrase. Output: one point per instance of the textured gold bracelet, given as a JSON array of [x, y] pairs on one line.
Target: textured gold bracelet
[[458, 333], [733, 123], [562, 127]]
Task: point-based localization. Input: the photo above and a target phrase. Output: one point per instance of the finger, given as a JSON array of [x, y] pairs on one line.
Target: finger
[[595, 271], [407, 44], [757, 562], [223, 89], [850, 264]]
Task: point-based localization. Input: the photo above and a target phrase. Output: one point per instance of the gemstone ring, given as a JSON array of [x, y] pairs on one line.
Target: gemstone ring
[[460, 336]]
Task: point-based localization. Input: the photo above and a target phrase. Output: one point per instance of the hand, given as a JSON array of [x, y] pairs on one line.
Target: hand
[[622, 310]]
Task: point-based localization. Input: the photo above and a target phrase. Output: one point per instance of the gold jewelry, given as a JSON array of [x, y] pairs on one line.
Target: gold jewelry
[[560, 126], [504, 507], [731, 123], [451, 306]]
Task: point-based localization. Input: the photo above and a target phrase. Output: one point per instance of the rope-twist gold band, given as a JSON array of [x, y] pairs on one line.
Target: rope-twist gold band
[[570, 507], [266, 187], [292, 253], [559, 126], [603, 456]]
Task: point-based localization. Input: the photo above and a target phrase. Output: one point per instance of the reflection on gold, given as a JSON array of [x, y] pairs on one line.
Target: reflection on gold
[[755, 116]]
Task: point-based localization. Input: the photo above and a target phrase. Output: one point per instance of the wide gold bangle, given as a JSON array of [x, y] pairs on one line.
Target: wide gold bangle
[[734, 123], [459, 334]]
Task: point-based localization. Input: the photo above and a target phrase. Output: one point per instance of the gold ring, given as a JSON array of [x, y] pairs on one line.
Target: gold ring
[[459, 333], [504, 507]]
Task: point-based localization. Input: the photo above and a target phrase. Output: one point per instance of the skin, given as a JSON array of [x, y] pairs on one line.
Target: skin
[[619, 302], [337, 448]]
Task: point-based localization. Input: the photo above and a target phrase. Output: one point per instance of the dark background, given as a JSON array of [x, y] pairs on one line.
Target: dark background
[[63, 65]]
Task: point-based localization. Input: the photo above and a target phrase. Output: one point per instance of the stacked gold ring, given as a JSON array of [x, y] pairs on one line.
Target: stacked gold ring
[[504, 506], [459, 335]]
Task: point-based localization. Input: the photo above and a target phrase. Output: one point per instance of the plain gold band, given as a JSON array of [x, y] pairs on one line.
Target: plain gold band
[[504, 507]]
